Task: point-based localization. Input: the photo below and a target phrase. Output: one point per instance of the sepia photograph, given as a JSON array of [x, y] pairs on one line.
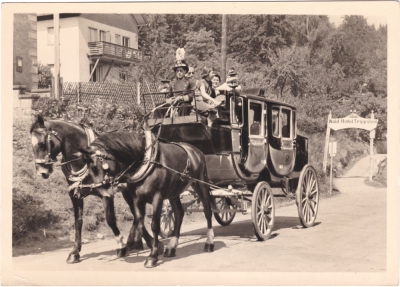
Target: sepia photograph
[[194, 143]]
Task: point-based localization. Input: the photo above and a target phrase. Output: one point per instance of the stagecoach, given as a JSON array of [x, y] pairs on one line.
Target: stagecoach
[[251, 146]]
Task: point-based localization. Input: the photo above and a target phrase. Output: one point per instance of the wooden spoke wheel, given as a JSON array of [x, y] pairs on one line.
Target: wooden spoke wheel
[[307, 196], [167, 220], [263, 211], [224, 218]]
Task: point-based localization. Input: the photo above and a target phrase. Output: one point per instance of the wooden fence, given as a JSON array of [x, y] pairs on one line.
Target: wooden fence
[[86, 92]]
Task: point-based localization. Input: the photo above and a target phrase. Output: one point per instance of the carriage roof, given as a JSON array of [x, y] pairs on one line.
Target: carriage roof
[[259, 94]]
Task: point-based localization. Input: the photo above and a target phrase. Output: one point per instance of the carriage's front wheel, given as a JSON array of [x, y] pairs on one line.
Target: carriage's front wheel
[[307, 196], [167, 220], [263, 211], [224, 218]]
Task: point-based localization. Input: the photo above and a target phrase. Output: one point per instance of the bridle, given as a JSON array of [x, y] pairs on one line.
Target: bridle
[[47, 160]]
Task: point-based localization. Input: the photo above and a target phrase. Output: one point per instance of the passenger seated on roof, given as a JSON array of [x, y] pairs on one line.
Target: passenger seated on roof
[[216, 94], [231, 80], [164, 87], [205, 102]]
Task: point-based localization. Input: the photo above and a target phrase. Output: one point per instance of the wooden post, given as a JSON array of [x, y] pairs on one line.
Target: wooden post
[[223, 49], [109, 68], [331, 177], [56, 22], [138, 92], [79, 92], [94, 69], [371, 148], [328, 132]]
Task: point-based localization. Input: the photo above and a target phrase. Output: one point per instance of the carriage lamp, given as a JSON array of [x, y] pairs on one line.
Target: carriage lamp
[[19, 64]]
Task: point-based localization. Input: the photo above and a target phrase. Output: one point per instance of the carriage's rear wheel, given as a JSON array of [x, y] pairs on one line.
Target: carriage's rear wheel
[[263, 211], [224, 218], [167, 220], [307, 196]]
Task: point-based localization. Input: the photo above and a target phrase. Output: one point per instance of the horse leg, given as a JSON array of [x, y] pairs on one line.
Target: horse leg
[[176, 204], [74, 256], [205, 197], [108, 203], [152, 259], [130, 244]]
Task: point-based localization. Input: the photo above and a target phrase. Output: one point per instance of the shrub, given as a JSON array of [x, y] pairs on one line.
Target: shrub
[[100, 115]]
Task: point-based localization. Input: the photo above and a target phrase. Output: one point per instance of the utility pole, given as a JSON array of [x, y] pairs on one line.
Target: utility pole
[[56, 22], [223, 49]]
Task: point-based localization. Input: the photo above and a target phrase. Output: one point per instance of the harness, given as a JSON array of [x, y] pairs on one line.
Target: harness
[[47, 160], [75, 176]]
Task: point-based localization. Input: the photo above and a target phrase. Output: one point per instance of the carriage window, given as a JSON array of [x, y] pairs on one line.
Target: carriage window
[[237, 111], [294, 124], [255, 112], [286, 123], [275, 122]]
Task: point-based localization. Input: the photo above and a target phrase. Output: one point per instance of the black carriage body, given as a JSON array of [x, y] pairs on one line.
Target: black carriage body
[[254, 140]]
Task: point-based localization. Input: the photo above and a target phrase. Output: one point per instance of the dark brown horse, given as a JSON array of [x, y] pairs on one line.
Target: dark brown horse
[[176, 165], [49, 138]]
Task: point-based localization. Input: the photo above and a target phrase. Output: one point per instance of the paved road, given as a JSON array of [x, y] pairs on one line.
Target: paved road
[[349, 236]]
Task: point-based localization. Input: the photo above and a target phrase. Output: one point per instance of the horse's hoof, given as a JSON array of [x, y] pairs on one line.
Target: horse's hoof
[[150, 262], [122, 252], [209, 247], [73, 258], [170, 252]]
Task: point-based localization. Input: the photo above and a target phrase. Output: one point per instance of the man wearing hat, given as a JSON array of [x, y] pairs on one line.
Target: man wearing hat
[[164, 87], [181, 89], [231, 81]]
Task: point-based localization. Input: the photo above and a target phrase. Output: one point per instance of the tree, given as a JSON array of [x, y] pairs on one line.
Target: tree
[[200, 45], [256, 38]]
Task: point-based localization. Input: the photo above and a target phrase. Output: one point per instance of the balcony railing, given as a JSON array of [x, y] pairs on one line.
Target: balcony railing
[[119, 52]]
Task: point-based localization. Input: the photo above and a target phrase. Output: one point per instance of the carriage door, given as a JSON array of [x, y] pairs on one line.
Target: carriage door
[[236, 125], [283, 130], [257, 143]]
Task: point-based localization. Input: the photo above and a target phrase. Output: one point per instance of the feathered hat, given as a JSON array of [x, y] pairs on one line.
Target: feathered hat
[[180, 60]]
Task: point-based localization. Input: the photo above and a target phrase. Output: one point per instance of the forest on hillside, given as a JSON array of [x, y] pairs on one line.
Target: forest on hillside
[[304, 60]]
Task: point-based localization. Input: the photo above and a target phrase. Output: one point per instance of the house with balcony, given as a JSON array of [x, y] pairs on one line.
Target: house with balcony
[[91, 45]]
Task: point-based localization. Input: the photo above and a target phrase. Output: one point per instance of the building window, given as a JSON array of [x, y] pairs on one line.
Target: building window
[[126, 42], [93, 35], [19, 64], [50, 36], [117, 39], [105, 36]]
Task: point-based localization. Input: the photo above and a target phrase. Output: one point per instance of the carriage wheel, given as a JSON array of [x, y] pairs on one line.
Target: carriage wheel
[[224, 218], [307, 196], [167, 220], [263, 210]]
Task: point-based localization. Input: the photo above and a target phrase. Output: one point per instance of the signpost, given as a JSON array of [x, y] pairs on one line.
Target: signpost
[[351, 121], [332, 153]]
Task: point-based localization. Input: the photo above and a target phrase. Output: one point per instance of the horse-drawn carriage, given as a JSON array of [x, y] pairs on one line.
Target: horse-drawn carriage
[[249, 147], [252, 147]]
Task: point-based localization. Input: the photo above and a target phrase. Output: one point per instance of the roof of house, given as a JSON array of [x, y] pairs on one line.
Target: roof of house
[[140, 19]]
